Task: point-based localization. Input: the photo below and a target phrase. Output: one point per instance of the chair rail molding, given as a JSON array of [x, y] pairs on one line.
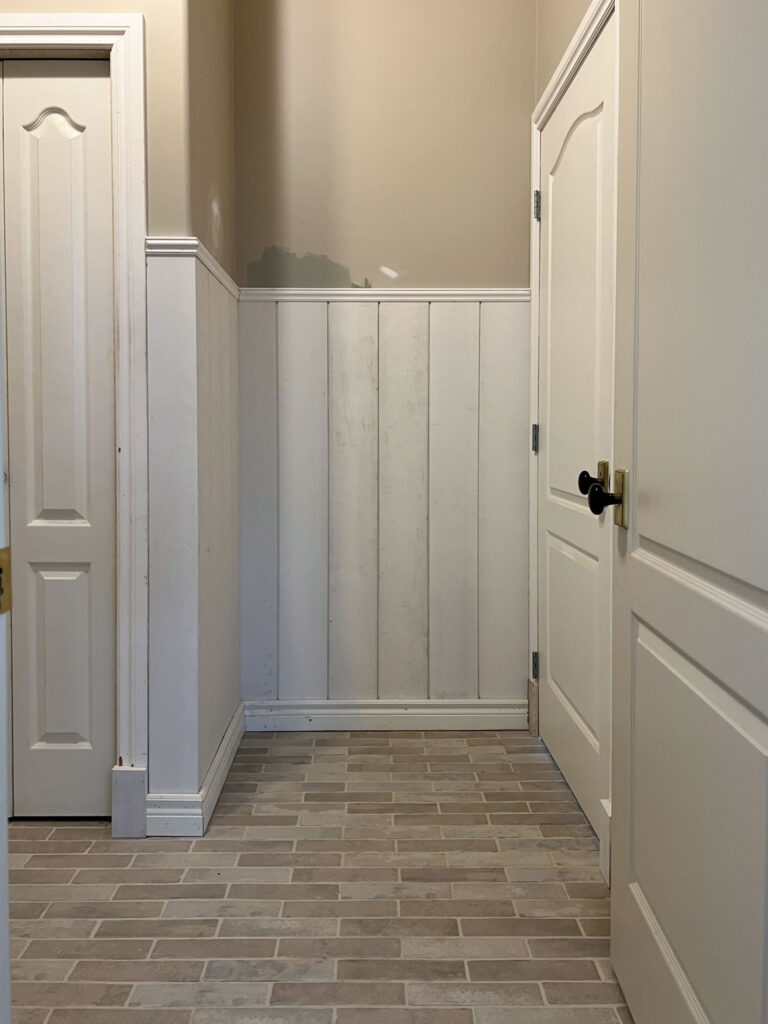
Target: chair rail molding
[[121, 38], [193, 247]]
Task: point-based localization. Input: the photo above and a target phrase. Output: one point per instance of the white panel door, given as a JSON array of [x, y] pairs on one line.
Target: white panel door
[[6, 796], [60, 342], [691, 597], [576, 338]]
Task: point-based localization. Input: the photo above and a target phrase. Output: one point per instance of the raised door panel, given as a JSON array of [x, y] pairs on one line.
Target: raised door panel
[[574, 195], [694, 882], [60, 339]]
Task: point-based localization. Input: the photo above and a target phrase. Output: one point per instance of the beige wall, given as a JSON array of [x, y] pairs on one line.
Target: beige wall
[[212, 127], [556, 22], [384, 133], [365, 133], [167, 103], [190, 160]]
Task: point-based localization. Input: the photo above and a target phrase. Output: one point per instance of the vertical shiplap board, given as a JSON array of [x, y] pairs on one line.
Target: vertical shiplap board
[[503, 507], [403, 500], [454, 352], [353, 500], [219, 657], [207, 595], [303, 499], [258, 498]]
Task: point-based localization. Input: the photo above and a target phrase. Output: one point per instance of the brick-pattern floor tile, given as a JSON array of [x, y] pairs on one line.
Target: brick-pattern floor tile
[[364, 878]]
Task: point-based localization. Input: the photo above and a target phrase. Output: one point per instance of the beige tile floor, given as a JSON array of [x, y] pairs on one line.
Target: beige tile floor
[[380, 878]]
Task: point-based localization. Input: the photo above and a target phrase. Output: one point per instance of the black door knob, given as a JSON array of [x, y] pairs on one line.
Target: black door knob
[[586, 481], [599, 499]]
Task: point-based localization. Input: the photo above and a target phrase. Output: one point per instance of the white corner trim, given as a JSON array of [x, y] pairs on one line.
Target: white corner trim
[[598, 13], [385, 294], [129, 802], [289, 716], [191, 246], [188, 814]]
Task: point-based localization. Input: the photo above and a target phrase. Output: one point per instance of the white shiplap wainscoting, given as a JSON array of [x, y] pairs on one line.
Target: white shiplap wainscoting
[[194, 697], [384, 508]]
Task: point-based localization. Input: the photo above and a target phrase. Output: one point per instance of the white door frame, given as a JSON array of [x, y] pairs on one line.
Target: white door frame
[[120, 39], [591, 26]]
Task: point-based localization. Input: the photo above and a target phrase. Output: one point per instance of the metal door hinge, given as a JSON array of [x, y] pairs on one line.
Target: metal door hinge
[[5, 580], [537, 204], [535, 438], [535, 665]]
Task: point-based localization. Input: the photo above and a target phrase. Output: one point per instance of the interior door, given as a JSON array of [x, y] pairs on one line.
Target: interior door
[[576, 342], [61, 402], [5, 703], [691, 608]]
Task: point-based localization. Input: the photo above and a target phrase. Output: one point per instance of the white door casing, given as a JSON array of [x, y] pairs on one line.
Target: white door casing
[[61, 410], [574, 139], [691, 577], [5, 704]]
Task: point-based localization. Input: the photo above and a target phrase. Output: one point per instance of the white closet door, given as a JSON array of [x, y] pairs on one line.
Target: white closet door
[[6, 797], [60, 341]]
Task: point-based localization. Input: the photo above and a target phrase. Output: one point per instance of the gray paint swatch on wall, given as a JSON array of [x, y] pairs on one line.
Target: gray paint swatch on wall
[[281, 268]]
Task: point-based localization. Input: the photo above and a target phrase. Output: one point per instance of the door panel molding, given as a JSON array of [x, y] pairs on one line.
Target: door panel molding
[[121, 36]]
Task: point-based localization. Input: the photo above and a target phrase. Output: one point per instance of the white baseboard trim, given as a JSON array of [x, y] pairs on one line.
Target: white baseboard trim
[[188, 814], [216, 775], [129, 800], [349, 716]]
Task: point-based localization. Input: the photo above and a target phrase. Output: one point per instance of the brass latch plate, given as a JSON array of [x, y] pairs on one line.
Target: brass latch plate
[[621, 489], [5, 580]]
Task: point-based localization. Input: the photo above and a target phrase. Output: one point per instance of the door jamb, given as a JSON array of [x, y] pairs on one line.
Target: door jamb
[[120, 38], [591, 26]]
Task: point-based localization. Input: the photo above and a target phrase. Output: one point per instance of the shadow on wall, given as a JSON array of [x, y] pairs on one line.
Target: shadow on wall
[[281, 268]]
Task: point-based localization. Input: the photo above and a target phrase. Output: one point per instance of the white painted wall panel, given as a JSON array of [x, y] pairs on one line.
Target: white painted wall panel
[[403, 491], [503, 446], [353, 355], [384, 504], [218, 509], [454, 362], [194, 529], [303, 499], [258, 498], [173, 524]]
